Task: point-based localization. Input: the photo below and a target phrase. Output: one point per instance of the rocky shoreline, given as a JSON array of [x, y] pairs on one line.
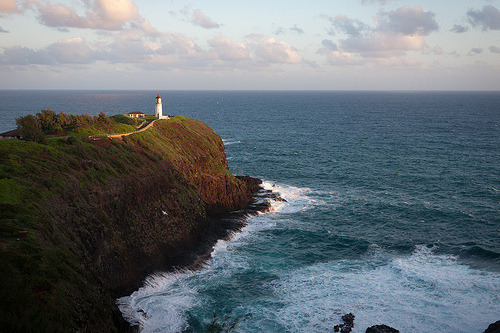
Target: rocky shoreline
[[348, 325], [222, 226]]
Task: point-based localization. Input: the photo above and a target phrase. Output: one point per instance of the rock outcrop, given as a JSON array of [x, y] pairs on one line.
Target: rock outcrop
[[493, 328], [85, 221], [381, 329], [348, 324]]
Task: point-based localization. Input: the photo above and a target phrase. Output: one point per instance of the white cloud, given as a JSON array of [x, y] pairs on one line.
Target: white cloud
[[351, 27], [383, 45], [437, 50], [130, 46], [18, 55], [396, 32], [66, 51], [101, 14], [336, 57], [9, 6], [272, 51], [488, 18], [119, 11], [71, 51], [459, 29], [203, 21], [408, 21], [329, 45], [59, 15], [145, 26], [297, 30], [474, 51], [197, 17], [254, 37], [226, 49]]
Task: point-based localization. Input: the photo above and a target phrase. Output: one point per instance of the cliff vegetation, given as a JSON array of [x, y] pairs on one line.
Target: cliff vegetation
[[48, 122], [83, 221]]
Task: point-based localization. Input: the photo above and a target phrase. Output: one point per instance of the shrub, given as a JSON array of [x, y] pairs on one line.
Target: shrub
[[31, 129]]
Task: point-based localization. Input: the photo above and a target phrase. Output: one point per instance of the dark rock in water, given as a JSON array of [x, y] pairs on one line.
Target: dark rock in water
[[348, 319], [348, 324], [381, 329], [493, 328]]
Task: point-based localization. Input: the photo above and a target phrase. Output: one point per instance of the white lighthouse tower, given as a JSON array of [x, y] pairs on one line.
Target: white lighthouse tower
[[158, 107]]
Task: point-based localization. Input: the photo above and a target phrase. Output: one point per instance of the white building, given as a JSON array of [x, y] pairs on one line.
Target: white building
[[159, 110], [135, 114]]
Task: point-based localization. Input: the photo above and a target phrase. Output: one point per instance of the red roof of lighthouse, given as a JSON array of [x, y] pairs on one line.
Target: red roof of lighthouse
[[158, 96]]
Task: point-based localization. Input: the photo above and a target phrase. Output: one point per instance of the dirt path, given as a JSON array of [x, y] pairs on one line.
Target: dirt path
[[128, 133]]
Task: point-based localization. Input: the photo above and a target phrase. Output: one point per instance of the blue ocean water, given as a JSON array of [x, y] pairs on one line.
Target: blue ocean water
[[392, 212]]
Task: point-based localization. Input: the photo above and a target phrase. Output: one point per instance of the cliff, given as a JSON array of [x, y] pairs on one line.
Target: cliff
[[84, 221]]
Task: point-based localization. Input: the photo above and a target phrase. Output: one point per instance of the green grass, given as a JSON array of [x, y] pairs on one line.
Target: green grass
[[64, 193], [119, 118], [101, 130]]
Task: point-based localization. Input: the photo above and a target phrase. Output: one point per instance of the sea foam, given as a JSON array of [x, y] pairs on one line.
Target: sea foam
[[421, 292], [164, 301], [417, 292]]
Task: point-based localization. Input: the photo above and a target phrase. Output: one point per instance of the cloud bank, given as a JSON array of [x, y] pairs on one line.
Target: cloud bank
[[113, 35], [396, 32], [100, 14], [488, 18], [167, 51]]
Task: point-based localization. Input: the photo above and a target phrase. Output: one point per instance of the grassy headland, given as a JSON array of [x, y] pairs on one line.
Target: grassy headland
[[83, 221]]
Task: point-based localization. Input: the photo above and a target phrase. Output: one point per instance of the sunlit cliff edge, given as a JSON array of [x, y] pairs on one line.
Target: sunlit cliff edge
[[84, 221]]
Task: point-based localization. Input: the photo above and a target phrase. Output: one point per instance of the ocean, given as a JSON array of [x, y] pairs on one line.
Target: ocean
[[392, 209]]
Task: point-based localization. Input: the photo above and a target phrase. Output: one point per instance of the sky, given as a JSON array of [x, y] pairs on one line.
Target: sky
[[250, 45]]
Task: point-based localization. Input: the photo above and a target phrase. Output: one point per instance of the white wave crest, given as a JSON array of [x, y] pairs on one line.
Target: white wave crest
[[164, 301], [297, 199], [228, 142], [161, 304], [422, 292]]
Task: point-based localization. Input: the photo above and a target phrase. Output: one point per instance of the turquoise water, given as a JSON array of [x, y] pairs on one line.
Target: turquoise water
[[392, 210]]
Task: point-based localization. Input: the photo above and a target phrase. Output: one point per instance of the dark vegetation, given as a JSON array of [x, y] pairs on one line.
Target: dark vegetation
[[48, 122], [83, 221]]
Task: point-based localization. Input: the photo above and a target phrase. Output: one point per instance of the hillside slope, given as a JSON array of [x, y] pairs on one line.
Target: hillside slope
[[84, 221]]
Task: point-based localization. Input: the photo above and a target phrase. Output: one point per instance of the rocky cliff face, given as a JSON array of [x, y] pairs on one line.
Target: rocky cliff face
[[102, 214]]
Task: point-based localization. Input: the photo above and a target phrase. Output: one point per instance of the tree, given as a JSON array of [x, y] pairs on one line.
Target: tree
[[63, 119], [103, 120], [47, 119], [84, 119], [31, 129]]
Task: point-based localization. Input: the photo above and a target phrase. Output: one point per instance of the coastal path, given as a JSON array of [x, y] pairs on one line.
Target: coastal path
[[143, 128]]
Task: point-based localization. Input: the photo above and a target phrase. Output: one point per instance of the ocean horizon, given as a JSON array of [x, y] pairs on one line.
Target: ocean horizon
[[392, 208]]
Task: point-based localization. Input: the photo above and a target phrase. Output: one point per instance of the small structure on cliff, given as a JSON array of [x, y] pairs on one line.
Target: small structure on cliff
[[135, 114], [159, 110], [14, 134]]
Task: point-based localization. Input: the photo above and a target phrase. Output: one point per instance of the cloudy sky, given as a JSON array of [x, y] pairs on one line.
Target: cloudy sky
[[259, 44]]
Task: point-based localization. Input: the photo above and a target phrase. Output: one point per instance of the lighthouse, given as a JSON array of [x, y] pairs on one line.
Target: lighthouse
[[158, 107]]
